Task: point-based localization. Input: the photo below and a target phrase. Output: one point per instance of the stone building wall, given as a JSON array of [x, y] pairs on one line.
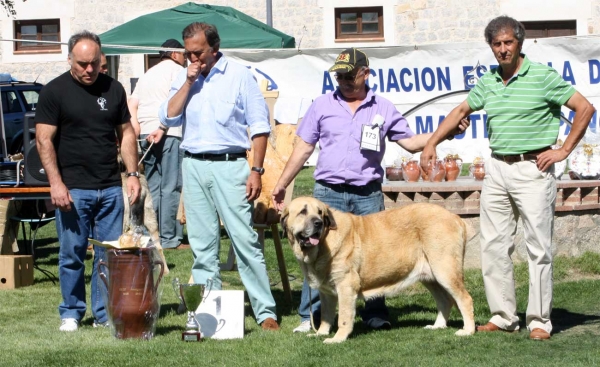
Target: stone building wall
[[417, 22]]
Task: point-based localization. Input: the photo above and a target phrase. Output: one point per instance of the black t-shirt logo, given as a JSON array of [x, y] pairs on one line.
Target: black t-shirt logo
[[102, 103]]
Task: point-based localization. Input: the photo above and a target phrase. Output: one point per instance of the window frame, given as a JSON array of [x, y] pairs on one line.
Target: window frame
[[543, 28], [43, 48], [359, 36]]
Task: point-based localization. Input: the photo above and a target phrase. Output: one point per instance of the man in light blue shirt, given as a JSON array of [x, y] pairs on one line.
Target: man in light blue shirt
[[217, 101]]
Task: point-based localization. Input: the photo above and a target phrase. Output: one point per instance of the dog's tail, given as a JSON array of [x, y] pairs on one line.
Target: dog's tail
[[468, 233]]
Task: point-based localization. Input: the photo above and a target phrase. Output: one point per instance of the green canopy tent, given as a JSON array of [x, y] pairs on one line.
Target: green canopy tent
[[236, 29]]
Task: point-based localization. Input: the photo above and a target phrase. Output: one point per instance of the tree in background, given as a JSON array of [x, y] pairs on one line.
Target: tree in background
[[9, 6]]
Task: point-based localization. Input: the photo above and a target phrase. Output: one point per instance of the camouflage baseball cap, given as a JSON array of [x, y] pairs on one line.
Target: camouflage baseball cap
[[348, 60]]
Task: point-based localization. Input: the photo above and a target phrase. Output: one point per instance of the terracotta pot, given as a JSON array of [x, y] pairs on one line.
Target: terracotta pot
[[393, 173], [411, 171], [477, 170], [132, 303], [436, 172], [453, 165]]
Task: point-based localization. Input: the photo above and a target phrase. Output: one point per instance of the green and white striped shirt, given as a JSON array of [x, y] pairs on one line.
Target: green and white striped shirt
[[524, 114]]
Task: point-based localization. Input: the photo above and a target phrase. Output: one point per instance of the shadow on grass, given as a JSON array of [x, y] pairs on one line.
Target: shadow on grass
[[563, 320]]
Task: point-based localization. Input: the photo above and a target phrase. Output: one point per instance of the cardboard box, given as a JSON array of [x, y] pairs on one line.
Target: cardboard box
[[16, 271]]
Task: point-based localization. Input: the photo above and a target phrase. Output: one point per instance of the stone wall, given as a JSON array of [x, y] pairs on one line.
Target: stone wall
[[437, 21], [576, 224], [417, 22]]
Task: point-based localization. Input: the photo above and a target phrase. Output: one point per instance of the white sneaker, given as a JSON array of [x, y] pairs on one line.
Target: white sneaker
[[304, 327], [69, 325], [102, 325]]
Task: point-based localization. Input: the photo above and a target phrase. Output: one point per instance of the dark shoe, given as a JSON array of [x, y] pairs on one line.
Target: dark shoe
[[270, 325], [490, 327], [539, 334], [377, 323]]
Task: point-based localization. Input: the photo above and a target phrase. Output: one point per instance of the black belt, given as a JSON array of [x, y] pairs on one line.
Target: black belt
[[216, 157], [527, 156], [363, 190]]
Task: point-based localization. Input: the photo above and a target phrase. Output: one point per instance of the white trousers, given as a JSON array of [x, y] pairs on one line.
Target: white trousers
[[510, 191]]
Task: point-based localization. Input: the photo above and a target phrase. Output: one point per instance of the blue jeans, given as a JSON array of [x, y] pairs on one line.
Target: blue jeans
[[162, 167], [98, 211], [358, 200]]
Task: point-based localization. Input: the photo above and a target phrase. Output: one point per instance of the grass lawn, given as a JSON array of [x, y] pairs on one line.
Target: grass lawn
[[29, 324]]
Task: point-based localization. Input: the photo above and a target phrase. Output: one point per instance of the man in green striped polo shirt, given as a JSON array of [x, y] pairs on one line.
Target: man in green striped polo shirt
[[522, 100]]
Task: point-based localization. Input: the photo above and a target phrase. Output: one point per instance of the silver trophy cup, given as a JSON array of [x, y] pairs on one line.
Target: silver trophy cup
[[191, 296]]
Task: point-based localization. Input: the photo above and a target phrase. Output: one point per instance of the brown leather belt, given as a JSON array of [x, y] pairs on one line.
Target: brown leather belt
[[527, 156]]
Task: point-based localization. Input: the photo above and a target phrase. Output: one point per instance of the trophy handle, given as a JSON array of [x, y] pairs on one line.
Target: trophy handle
[[209, 283], [176, 288], [101, 274], [160, 275]]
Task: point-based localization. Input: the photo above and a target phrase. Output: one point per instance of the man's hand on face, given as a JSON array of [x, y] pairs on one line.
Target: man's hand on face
[[193, 70]]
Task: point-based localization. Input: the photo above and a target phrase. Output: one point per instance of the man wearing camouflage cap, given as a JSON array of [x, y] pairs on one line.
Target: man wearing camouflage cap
[[348, 173]]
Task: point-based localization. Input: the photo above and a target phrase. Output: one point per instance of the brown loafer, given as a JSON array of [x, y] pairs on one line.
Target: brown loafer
[[489, 327], [270, 324], [539, 334]]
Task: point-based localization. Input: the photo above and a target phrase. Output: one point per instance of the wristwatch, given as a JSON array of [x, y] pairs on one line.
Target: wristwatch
[[136, 174], [260, 170], [163, 128]]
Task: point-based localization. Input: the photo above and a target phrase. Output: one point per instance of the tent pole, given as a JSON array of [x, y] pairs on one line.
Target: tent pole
[[269, 13]]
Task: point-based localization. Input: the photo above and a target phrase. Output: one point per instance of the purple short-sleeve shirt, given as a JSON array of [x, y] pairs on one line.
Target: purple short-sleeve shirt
[[330, 122]]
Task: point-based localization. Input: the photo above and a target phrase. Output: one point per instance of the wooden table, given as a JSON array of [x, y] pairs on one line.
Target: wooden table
[[18, 193], [25, 193]]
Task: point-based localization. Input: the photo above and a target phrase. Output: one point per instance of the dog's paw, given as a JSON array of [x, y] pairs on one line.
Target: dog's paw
[[463, 332], [434, 327], [333, 341]]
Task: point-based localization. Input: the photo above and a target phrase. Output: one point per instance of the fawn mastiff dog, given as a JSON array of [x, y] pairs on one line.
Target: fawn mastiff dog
[[347, 256]]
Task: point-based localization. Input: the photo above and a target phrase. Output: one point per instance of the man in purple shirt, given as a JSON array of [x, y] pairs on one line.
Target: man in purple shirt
[[351, 125]]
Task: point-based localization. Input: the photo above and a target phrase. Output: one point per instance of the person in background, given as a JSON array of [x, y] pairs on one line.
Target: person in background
[[103, 63], [522, 100], [162, 164], [219, 104], [78, 116], [348, 173]]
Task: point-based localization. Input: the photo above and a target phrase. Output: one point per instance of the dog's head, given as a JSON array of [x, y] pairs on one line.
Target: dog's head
[[306, 222]]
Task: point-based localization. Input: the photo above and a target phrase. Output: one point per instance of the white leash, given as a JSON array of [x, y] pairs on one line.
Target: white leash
[[145, 154]]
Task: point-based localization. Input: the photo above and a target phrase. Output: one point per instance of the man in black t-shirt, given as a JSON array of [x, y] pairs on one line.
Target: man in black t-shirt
[[77, 117]]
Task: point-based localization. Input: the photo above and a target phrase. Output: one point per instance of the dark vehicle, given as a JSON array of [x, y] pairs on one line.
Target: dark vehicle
[[17, 99]]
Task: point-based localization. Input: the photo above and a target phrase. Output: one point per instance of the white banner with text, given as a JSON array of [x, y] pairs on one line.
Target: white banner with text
[[410, 76]]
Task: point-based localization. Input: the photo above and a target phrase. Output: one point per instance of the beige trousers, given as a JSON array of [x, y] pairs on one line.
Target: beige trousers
[[512, 191]]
